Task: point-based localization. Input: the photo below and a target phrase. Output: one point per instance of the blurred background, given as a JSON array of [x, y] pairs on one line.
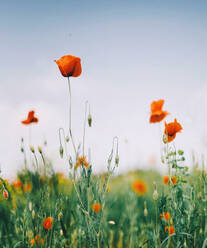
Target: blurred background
[[132, 52]]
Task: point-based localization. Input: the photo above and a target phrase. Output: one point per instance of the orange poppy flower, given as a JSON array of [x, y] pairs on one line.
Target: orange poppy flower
[[171, 129], [32, 242], [157, 114], [27, 187], [39, 240], [166, 179], [171, 229], [81, 161], [17, 184], [30, 118], [5, 194], [47, 224], [174, 180], [139, 187], [70, 66], [166, 215], [96, 207]]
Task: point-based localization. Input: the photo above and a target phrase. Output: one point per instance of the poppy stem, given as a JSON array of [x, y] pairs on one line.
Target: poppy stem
[[84, 127], [70, 106]]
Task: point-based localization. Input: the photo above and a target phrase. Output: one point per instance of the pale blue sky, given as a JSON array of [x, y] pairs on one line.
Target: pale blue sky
[[132, 52]]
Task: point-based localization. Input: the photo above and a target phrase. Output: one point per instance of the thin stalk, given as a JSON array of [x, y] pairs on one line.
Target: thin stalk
[[84, 127], [70, 121]]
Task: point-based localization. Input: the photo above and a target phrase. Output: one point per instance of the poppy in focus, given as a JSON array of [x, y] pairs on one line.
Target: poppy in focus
[[30, 118], [70, 66], [157, 114], [171, 129], [139, 187]]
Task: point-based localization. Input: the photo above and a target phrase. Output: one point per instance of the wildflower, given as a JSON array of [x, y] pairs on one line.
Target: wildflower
[[30, 118], [174, 180], [166, 179], [157, 114], [32, 242], [81, 161], [166, 215], [70, 66], [96, 207], [47, 223], [17, 184], [171, 129], [27, 187], [5, 194], [171, 229], [139, 187], [38, 240]]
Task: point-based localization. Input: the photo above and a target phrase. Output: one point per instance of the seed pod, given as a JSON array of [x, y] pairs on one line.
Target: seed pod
[[89, 120], [117, 160], [67, 139], [61, 151]]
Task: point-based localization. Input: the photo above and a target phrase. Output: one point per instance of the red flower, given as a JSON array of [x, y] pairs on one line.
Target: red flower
[[96, 207], [70, 66], [5, 194], [166, 179], [157, 114], [30, 118], [171, 129], [139, 187], [166, 215], [47, 224]]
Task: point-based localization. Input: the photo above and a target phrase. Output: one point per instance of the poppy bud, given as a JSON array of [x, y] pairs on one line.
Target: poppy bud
[[61, 232], [67, 139], [30, 206], [5, 194], [33, 214], [145, 212], [61, 151], [89, 120], [22, 149], [39, 149], [117, 160], [165, 138], [162, 159], [60, 215], [155, 195], [32, 149]]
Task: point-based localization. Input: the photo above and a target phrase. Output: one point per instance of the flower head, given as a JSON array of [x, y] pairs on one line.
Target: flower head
[[81, 161], [171, 129], [174, 179], [96, 207], [165, 215], [5, 194], [157, 114], [30, 118], [140, 187], [47, 223], [166, 179], [17, 184], [70, 66]]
